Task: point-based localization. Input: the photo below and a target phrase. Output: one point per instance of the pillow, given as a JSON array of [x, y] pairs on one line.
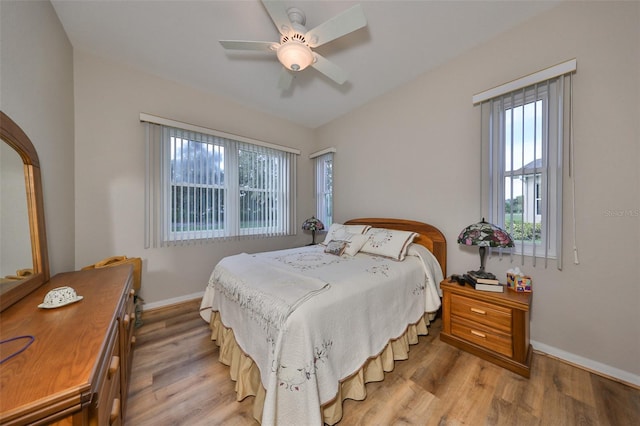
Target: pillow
[[336, 247], [358, 229], [338, 231], [390, 243], [354, 243]]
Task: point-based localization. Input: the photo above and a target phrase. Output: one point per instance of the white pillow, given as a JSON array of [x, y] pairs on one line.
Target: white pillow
[[354, 243], [338, 231], [390, 243]]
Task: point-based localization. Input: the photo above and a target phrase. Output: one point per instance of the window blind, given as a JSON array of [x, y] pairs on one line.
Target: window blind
[[523, 132], [202, 187], [324, 186]]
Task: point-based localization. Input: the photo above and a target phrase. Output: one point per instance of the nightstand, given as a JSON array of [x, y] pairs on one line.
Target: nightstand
[[492, 326]]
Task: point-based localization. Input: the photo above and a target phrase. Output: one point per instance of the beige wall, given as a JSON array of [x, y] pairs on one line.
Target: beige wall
[[36, 91], [110, 170], [422, 137], [414, 153]]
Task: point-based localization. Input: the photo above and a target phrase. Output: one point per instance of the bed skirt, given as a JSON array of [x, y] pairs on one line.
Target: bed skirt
[[244, 372]]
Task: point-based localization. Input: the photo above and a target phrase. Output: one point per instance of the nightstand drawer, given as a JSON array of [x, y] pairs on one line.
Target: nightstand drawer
[[481, 335], [491, 315], [493, 326]]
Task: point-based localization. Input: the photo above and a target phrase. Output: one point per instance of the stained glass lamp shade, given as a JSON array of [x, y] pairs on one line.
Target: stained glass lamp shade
[[483, 235], [312, 224]]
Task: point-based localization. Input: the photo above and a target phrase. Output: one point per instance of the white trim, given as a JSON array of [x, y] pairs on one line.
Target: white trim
[[322, 152], [607, 370], [148, 118], [173, 301], [526, 81]]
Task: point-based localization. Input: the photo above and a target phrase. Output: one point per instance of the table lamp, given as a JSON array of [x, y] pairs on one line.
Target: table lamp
[[312, 224], [483, 235]]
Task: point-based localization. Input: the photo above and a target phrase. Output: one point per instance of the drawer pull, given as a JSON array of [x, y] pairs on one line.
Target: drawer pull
[[114, 366], [126, 320], [478, 311], [133, 340], [115, 411], [477, 333], [132, 293]]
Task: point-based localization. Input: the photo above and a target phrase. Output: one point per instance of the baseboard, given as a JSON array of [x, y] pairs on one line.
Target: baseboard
[[588, 364], [174, 301]]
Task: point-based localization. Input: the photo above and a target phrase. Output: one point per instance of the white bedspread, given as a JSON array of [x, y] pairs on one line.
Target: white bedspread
[[346, 312], [265, 288]]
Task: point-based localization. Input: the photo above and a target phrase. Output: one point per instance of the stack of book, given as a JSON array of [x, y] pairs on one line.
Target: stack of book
[[484, 284]]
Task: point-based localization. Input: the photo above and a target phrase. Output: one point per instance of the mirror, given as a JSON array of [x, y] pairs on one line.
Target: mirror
[[16, 284], [15, 240]]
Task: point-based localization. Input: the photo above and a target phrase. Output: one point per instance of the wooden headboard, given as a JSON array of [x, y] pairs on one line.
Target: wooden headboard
[[429, 236]]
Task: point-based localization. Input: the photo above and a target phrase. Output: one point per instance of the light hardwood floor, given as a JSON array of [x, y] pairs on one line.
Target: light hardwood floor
[[177, 380]]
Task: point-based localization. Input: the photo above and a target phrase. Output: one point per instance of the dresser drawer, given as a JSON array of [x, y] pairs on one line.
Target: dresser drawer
[[491, 315], [107, 406], [482, 335], [128, 321]]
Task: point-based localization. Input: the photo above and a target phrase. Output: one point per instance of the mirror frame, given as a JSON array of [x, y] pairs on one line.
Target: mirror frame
[[13, 135]]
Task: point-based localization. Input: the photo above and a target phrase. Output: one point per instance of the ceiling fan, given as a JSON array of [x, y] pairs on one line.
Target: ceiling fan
[[294, 50]]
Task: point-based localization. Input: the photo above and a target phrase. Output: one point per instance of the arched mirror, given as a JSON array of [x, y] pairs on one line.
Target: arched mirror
[[24, 264]]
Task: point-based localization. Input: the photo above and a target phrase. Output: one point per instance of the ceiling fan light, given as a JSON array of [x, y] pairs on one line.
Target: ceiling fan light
[[295, 55]]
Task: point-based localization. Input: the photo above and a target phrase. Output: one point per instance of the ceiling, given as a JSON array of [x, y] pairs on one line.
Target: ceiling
[[178, 40]]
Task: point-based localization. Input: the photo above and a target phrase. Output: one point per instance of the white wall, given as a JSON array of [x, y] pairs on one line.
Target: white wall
[[414, 153], [36, 91], [110, 170]]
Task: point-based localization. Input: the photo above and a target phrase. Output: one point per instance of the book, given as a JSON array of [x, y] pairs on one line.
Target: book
[[487, 281], [476, 284], [469, 280], [496, 288]]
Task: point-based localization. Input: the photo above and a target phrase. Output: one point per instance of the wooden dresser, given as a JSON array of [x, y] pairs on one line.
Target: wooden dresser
[[493, 326], [76, 370]]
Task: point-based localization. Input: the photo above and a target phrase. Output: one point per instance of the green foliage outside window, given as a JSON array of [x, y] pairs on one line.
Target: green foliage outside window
[[523, 230]]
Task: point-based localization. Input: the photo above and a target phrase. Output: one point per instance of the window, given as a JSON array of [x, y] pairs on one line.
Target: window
[[196, 186], [203, 186], [522, 137], [324, 185], [522, 141], [524, 146]]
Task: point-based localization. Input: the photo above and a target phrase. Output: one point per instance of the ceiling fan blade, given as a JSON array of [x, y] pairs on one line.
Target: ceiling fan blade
[[329, 69], [344, 23], [263, 46], [279, 16], [285, 79]]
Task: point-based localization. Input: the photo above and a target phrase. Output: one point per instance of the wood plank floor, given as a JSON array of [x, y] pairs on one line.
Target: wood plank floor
[[177, 380]]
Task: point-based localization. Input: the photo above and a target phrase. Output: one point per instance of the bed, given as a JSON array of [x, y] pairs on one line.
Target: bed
[[304, 329]]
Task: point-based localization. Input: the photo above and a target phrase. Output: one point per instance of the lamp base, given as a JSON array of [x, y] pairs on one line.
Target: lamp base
[[482, 274]]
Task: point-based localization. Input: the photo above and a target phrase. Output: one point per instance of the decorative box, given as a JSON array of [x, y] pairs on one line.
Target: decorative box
[[519, 283]]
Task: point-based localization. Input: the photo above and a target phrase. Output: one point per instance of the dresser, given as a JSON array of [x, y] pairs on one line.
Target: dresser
[[492, 326], [76, 370]]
